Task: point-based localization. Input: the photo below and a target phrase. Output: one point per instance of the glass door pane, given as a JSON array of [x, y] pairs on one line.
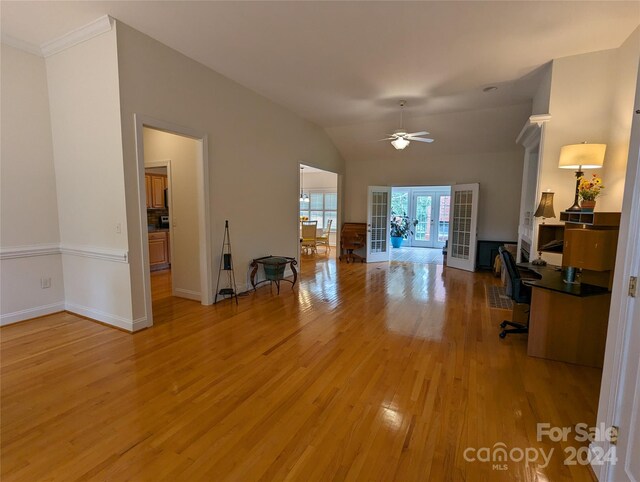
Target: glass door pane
[[443, 217], [464, 221], [379, 207], [423, 213]]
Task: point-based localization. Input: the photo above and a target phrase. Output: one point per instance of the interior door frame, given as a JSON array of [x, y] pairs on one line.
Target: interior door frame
[[204, 208], [617, 357]]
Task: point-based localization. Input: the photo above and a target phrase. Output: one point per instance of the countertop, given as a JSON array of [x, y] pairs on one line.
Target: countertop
[[154, 229]]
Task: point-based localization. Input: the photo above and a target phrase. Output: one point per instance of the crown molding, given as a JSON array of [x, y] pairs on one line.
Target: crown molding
[[537, 120], [16, 43], [79, 35]]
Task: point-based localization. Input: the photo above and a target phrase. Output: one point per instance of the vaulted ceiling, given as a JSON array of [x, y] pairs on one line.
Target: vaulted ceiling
[[343, 64]]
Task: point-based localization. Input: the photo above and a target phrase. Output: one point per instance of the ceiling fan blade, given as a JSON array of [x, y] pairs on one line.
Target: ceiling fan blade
[[387, 139], [420, 139], [423, 133]]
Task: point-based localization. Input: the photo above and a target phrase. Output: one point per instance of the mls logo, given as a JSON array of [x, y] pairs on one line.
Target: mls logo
[[500, 467]]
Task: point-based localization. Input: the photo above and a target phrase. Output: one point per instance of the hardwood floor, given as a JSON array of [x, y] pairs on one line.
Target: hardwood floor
[[410, 254], [375, 372]]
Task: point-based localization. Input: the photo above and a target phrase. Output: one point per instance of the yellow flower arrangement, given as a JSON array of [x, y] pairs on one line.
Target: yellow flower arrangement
[[589, 189]]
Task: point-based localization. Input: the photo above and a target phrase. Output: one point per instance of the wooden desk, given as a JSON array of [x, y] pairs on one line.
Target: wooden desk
[[567, 322]]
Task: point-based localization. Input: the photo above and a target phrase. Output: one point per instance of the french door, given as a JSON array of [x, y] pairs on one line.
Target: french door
[[378, 223], [431, 210], [464, 222], [422, 203]]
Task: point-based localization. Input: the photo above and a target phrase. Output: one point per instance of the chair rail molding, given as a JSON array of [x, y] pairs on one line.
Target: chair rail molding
[[28, 251], [107, 254]]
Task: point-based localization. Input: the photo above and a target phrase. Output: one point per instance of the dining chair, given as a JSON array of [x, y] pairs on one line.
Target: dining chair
[[323, 239], [309, 236]]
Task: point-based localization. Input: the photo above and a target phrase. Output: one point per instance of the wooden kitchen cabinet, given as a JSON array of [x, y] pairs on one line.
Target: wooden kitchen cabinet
[[159, 257], [157, 188], [155, 185]]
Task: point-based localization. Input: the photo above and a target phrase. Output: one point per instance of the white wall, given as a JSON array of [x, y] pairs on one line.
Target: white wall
[[499, 175], [542, 96], [254, 144], [590, 99], [87, 146], [579, 107], [321, 180], [183, 154], [28, 204], [624, 77]]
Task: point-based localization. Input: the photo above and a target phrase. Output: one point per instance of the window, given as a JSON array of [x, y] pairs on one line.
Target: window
[[322, 207]]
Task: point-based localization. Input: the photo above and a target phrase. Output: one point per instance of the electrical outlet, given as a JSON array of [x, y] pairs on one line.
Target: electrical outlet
[[45, 283]]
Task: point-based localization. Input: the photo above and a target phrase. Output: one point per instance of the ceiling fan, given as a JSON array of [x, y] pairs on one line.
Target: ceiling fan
[[401, 138]]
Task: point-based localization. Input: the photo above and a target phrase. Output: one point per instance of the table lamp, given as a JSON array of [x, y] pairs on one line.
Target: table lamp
[[545, 210], [579, 157]]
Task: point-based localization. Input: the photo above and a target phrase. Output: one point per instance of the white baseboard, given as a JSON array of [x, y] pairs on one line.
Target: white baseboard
[[140, 323], [29, 313], [109, 319], [190, 295]]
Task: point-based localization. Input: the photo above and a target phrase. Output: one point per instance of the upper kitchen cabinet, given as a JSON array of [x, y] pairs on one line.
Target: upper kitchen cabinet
[[155, 185]]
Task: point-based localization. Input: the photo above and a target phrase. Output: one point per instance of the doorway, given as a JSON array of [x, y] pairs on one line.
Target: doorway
[[318, 214], [171, 188], [428, 207], [159, 144]]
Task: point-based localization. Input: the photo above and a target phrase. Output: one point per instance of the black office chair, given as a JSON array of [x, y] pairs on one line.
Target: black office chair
[[517, 290]]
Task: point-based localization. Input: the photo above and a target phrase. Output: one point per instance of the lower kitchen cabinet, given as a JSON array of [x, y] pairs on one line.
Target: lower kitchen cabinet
[[159, 257]]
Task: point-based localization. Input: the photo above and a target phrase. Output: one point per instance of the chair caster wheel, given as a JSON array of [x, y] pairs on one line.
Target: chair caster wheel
[[503, 334], [503, 324]]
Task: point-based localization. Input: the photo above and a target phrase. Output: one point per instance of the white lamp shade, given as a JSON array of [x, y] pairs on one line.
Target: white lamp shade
[[585, 156], [400, 143]]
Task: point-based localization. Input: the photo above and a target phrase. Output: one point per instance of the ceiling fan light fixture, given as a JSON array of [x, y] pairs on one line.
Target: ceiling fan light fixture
[[401, 138], [400, 143]]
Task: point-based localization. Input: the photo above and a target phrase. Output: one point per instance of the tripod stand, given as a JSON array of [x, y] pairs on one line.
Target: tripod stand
[[226, 264]]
